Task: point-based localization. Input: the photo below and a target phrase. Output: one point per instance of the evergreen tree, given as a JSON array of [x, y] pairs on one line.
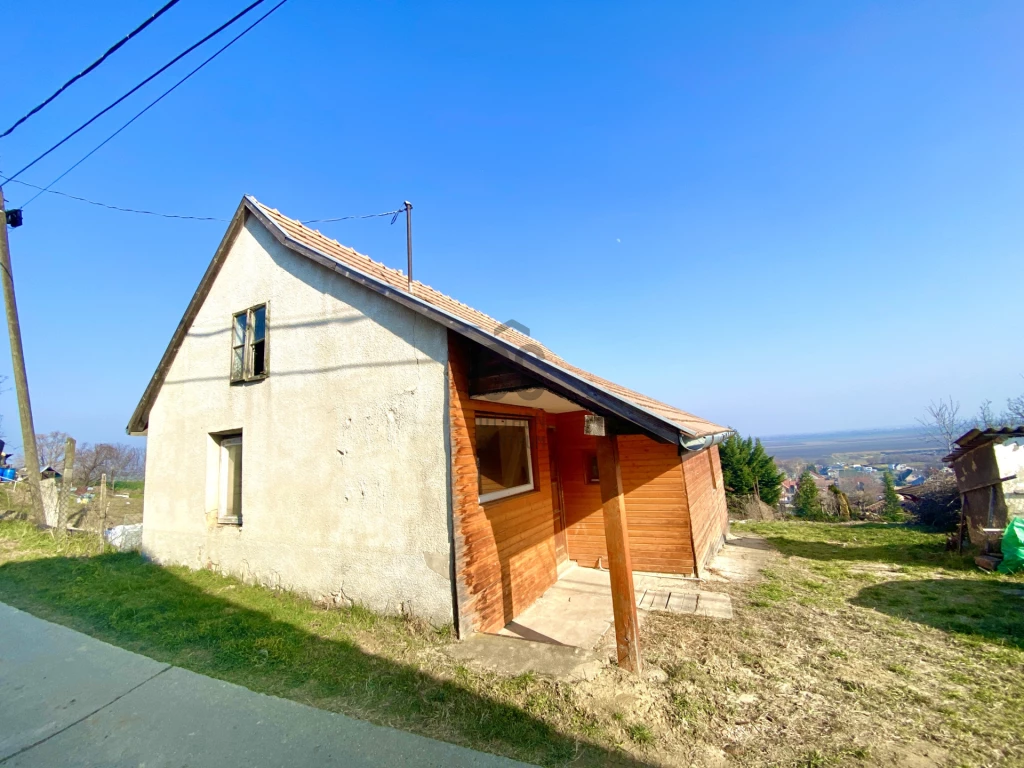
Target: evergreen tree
[[806, 503], [748, 470], [891, 509]]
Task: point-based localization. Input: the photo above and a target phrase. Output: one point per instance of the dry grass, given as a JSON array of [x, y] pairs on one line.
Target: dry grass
[[863, 645]]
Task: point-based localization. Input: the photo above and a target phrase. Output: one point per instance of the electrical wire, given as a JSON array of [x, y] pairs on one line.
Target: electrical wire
[[91, 67], [393, 214], [166, 66], [113, 207], [156, 101]]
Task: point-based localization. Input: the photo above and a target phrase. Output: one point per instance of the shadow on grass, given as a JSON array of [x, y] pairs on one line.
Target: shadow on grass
[[121, 599], [993, 610]]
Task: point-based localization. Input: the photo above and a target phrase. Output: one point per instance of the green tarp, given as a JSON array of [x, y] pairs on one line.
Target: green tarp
[[1013, 547]]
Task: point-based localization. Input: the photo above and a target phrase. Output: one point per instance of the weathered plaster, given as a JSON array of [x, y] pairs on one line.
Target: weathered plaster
[[345, 492]]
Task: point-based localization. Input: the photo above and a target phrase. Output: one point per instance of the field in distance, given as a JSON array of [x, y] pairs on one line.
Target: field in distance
[[886, 446]]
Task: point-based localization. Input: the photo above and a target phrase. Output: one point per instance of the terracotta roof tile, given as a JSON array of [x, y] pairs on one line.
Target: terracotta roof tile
[[397, 279]]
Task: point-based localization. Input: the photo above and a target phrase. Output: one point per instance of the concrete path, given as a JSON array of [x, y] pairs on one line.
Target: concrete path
[[69, 700]]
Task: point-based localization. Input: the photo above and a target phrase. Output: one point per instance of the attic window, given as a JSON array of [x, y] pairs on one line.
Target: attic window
[[249, 344], [503, 457]]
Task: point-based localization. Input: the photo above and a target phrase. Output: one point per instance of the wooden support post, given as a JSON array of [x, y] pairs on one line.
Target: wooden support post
[[620, 563], [67, 484]]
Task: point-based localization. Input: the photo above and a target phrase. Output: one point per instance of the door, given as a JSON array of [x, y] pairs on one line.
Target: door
[[557, 503]]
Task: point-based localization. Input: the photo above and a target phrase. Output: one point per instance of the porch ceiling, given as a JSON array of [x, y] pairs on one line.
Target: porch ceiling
[[534, 397]]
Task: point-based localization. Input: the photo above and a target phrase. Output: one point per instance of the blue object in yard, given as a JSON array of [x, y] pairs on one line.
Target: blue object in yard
[[8, 474]]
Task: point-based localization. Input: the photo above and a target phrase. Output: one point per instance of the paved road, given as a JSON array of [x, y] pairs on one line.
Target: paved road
[[69, 700]]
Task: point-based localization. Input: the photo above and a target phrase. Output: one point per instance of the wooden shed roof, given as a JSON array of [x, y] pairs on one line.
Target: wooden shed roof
[[419, 296]]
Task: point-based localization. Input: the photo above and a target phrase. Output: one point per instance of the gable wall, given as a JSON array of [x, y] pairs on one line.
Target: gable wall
[[705, 490], [344, 451]]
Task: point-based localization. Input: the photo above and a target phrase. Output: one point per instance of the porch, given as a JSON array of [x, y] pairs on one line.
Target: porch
[[544, 479], [577, 609]]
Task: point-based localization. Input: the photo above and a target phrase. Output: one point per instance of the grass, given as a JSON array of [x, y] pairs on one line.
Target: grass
[[388, 670], [861, 645]]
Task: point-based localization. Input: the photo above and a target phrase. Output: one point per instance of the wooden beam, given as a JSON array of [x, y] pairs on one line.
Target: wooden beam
[[620, 565], [500, 382]]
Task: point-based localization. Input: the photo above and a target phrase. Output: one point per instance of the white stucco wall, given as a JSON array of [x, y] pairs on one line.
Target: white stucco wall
[[344, 444]]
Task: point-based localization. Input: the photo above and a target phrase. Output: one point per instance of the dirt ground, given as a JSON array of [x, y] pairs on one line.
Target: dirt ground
[[124, 506], [842, 655]]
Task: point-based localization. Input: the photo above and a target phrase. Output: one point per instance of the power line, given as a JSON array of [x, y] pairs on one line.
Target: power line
[[112, 207], [393, 214], [173, 61], [156, 101], [91, 67]]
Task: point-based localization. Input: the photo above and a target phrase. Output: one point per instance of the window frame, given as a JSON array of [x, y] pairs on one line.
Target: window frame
[[531, 484], [224, 443], [248, 345]]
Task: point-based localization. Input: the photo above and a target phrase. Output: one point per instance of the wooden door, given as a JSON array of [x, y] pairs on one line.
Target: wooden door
[[557, 502]]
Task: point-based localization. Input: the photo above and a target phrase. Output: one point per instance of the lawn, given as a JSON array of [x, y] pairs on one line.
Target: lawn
[[863, 645]]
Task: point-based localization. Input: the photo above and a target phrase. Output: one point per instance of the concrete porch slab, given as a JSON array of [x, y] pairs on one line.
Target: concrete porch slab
[[577, 609]]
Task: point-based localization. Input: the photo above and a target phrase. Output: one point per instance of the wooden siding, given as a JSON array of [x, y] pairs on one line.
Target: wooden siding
[[504, 550], [656, 507], [708, 513]]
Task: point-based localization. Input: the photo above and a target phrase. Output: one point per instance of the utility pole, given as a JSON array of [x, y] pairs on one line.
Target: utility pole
[[28, 429], [408, 238]]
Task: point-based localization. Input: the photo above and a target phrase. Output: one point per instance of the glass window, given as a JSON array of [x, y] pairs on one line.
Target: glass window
[[231, 480], [259, 341], [238, 347], [249, 344], [503, 457]]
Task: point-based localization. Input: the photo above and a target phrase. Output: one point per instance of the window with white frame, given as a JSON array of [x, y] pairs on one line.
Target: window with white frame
[[503, 457], [230, 480], [249, 344]]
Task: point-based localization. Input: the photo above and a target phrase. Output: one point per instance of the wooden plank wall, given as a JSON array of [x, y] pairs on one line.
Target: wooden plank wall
[[504, 550], [656, 506], [708, 513]]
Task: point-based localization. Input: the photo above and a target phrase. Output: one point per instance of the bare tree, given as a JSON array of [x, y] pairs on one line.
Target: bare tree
[[51, 449], [1015, 410], [124, 462], [942, 423], [117, 460]]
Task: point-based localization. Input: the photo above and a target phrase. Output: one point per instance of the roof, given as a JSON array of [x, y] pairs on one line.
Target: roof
[[976, 438], [393, 283]]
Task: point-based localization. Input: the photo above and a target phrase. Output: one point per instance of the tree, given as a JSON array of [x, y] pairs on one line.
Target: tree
[[942, 423], [51, 449], [117, 460], [891, 507], [1015, 409], [807, 503], [748, 470], [840, 501]]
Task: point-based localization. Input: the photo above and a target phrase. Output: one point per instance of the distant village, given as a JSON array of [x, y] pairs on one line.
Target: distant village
[[861, 482]]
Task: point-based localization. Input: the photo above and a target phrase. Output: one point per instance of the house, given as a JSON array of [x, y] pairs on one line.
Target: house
[[451, 466], [989, 469]]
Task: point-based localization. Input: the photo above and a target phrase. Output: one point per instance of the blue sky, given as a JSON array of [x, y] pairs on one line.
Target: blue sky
[[784, 217]]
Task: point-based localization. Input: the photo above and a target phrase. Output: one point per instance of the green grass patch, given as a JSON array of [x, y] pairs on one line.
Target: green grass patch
[[347, 660]]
